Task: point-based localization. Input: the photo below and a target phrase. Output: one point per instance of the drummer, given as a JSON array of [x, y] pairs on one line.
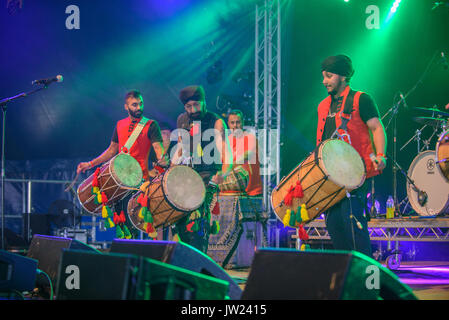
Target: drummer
[[150, 137], [367, 135], [245, 151], [197, 127]]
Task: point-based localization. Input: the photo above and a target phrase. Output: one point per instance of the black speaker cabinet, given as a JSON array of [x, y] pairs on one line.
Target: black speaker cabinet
[[180, 255], [16, 272], [316, 275], [47, 251], [87, 275]]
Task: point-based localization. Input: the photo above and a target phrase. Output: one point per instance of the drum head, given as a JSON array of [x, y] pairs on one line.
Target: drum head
[[126, 170], [428, 178], [184, 188], [343, 164]]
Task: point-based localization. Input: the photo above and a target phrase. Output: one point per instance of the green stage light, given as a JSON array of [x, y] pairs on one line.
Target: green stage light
[[393, 9]]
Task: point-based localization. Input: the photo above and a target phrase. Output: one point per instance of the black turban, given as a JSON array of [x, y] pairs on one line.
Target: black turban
[[339, 64], [195, 93]]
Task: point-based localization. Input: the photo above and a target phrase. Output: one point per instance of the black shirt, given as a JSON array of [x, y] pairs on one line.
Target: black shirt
[[367, 109], [207, 122]]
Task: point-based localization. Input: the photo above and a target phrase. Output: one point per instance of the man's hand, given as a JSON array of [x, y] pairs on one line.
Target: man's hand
[[82, 167], [380, 163], [217, 178]]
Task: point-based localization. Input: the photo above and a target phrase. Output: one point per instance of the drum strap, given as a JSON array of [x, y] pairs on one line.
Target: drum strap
[[137, 130], [345, 115]]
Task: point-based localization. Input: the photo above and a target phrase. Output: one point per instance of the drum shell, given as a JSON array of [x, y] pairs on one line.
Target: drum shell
[[109, 184], [320, 189], [164, 212]]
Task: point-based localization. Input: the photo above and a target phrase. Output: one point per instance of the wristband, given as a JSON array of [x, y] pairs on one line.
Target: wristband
[[91, 165], [381, 155]]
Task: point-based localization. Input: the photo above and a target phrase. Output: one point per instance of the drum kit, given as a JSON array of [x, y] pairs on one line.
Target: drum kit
[[428, 174]]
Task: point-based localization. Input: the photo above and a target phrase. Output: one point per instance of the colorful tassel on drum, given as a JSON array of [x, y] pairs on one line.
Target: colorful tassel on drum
[[292, 222], [190, 226], [216, 209], [119, 233], [215, 228], [95, 182], [286, 219], [298, 192], [304, 213], [150, 230], [108, 223], [289, 196], [195, 215], [302, 233], [128, 234], [142, 199]]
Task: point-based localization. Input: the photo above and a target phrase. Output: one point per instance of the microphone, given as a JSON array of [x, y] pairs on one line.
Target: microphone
[[46, 82], [444, 60]]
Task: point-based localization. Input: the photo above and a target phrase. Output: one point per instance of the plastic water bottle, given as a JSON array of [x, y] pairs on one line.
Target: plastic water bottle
[[390, 208]]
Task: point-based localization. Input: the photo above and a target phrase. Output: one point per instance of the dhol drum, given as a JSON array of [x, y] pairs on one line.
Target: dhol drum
[[171, 195], [325, 175], [116, 179], [237, 180], [428, 178], [442, 150]]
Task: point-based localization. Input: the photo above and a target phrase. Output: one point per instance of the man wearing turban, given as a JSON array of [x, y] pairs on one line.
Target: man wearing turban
[[203, 146], [346, 222]]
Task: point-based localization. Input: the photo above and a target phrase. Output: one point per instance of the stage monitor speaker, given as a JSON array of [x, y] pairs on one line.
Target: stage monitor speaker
[[86, 275], [17, 273], [47, 251], [316, 275], [177, 254]]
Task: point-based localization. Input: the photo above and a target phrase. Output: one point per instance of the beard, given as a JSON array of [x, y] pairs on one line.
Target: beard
[[196, 115], [135, 114]]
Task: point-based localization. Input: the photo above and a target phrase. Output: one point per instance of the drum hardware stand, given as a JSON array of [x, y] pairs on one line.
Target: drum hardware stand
[[416, 137], [394, 110], [422, 195], [3, 105]]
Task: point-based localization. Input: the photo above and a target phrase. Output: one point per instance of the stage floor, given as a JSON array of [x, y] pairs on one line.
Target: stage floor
[[429, 280]]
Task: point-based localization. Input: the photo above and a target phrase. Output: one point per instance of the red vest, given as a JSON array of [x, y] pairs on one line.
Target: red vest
[[141, 147], [357, 129]]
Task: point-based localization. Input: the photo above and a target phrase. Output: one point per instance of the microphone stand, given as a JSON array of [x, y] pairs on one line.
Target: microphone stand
[[394, 111], [3, 105]]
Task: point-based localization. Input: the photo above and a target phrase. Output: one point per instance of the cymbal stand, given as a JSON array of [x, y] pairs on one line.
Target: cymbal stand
[[417, 138], [426, 143], [394, 111]]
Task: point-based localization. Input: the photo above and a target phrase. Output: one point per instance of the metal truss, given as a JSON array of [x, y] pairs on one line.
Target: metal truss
[[267, 92], [399, 229]]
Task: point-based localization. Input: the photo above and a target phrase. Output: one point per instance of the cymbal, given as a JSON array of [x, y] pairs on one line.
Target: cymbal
[[433, 111], [434, 122]]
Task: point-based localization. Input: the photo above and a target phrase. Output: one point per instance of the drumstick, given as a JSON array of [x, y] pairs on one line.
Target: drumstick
[[72, 183]]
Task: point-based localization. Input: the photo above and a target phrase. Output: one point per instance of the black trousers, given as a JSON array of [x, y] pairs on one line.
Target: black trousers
[[346, 232], [199, 238]]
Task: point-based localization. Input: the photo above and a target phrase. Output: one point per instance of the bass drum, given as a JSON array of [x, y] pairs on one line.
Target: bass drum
[[428, 178]]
